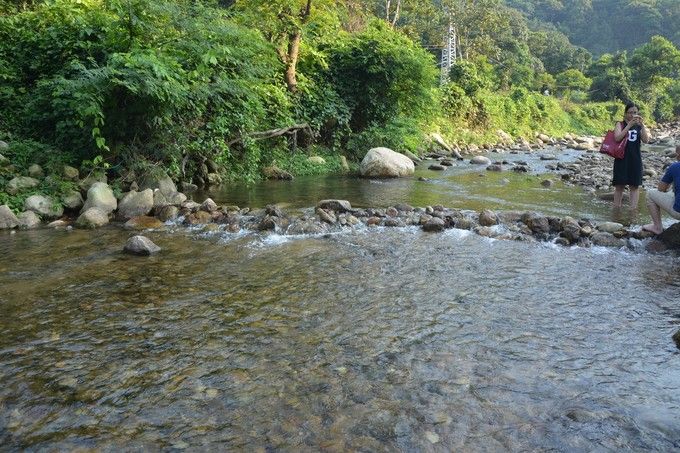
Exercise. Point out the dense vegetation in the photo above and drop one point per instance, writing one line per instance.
(606, 26)
(192, 88)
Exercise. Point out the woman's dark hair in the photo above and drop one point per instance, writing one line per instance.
(630, 105)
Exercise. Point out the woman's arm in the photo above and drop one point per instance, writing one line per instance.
(645, 136)
(621, 132)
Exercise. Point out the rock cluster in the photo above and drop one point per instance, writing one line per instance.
(336, 215)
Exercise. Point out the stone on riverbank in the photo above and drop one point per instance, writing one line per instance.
(43, 206)
(36, 171)
(385, 163)
(7, 218)
(100, 196)
(676, 338)
(28, 220)
(140, 246)
(135, 204)
(20, 183)
(93, 218)
(274, 172)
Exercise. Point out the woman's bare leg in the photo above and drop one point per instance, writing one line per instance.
(618, 195)
(634, 194)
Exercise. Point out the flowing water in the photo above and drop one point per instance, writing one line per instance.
(368, 340)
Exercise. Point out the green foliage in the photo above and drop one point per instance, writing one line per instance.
(381, 74)
(398, 134)
(572, 81)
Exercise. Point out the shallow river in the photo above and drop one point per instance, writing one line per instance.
(368, 340)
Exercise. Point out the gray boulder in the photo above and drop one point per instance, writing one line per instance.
(158, 181)
(4, 161)
(335, 205)
(21, 183)
(93, 218)
(609, 227)
(538, 224)
(604, 239)
(166, 213)
(71, 173)
(274, 172)
(434, 225)
(100, 196)
(488, 218)
(141, 246)
(135, 204)
(44, 206)
(480, 160)
(385, 163)
(90, 180)
(36, 171)
(7, 218)
(208, 205)
(28, 220)
(73, 201)
(316, 160)
(161, 199)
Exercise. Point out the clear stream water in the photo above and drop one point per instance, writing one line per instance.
(368, 340)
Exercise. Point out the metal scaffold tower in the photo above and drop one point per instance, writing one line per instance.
(448, 54)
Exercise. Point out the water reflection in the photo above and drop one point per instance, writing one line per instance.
(464, 186)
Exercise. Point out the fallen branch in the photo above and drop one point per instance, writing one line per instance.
(261, 135)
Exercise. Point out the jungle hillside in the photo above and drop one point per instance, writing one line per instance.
(227, 88)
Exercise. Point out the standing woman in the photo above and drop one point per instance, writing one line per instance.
(628, 171)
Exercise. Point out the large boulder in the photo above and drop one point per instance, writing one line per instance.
(36, 171)
(135, 204)
(73, 200)
(20, 183)
(91, 179)
(316, 160)
(93, 218)
(28, 220)
(335, 205)
(43, 206)
(158, 181)
(100, 196)
(7, 218)
(4, 161)
(274, 172)
(161, 199)
(71, 173)
(385, 163)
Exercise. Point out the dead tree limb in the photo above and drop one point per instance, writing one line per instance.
(261, 135)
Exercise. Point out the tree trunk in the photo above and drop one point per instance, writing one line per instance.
(294, 50)
(291, 60)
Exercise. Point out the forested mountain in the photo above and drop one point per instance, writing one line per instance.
(606, 26)
(195, 88)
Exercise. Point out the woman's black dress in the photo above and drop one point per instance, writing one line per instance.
(628, 171)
